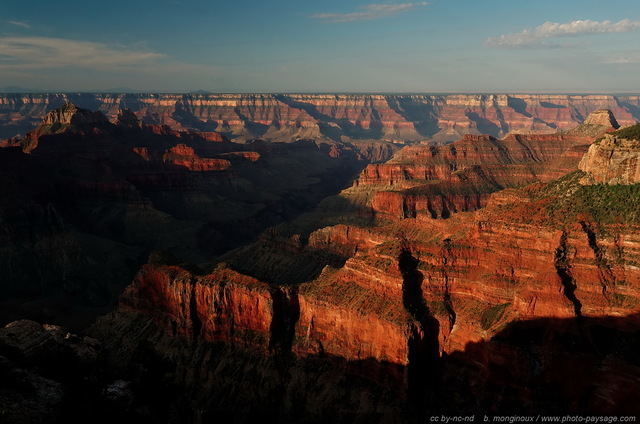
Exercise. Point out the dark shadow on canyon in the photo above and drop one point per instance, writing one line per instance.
(587, 365)
(545, 366)
(541, 366)
(422, 115)
(345, 125)
(423, 367)
(83, 211)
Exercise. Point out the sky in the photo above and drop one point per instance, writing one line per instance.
(331, 46)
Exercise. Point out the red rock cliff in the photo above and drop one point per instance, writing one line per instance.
(614, 159)
(287, 117)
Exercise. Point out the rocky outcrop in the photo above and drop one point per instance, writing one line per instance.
(596, 124)
(127, 119)
(282, 117)
(227, 306)
(221, 306)
(68, 119)
(70, 115)
(614, 159)
(438, 181)
(604, 118)
(185, 156)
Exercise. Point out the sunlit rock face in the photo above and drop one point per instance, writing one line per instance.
(614, 159)
(604, 117)
(282, 117)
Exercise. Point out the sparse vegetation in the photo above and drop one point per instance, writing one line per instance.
(630, 133)
(353, 297)
(437, 307)
(625, 301)
(600, 203)
(493, 315)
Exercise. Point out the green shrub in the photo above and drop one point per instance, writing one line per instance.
(629, 133)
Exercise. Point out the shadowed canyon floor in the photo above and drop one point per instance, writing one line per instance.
(488, 275)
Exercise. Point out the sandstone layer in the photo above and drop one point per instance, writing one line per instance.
(495, 308)
(285, 117)
(477, 277)
(614, 159)
(438, 181)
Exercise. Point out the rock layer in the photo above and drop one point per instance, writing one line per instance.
(614, 159)
(285, 117)
(438, 181)
(524, 301)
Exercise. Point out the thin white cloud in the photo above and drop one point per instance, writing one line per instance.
(536, 37)
(369, 12)
(623, 60)
(42, 52)
(20, 24)
(63, 64)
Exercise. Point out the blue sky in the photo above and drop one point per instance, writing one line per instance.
(436, 46)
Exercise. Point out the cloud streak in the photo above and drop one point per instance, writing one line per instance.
(537, 37)
(20, 24)
(624, 58)
(42, 52)
(369, 12)
(59, 62)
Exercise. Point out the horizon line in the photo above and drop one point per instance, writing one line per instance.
(439, 93)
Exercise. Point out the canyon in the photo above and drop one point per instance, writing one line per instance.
(85, 201)
(483, 309)
(337, 117)
(335, 278)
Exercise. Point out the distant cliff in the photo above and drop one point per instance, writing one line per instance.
(285, 117)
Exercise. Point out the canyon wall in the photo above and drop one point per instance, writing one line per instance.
(285, 117)
(496, 307)
(438, 181)
(483, 311)
(475, 277)
(614, 158)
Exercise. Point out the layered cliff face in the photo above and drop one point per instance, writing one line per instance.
(185, 156)
(480, 276)
(222, 306)
(281, 117)
(497, 310)
(614, 159)
(485, 311)
(438, 181)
